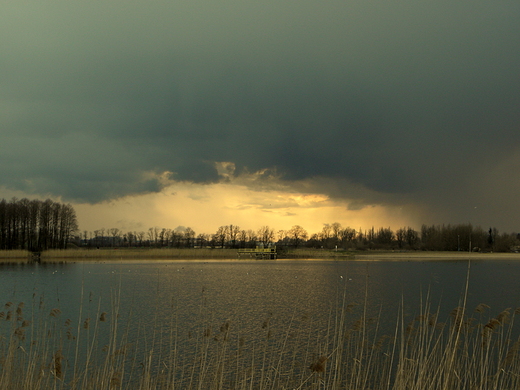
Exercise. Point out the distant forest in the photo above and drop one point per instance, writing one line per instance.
(460, 237)
(38, 225)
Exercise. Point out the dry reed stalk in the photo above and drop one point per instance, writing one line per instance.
(134, 254)
(481, 308)
(58, 369)
(19, 255)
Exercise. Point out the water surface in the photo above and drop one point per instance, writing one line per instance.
(195, 299)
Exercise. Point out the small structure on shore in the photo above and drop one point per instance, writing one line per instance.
(35, 256)
(259, 253)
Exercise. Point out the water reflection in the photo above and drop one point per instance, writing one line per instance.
(248, 291)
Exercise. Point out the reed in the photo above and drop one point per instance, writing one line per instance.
(310, 253)
(106, 349)
(176, 253)
(132, 254)
(15, 254)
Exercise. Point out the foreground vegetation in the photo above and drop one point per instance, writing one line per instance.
(465, 349)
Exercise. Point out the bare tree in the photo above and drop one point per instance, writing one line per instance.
(266, 235)
(202, 240)
(242, 238)
(233, 232)
(116, 235)
(140, 236)
(281, 235)
(189, 237)
(220, 236)
(36, 225)
(297, 235)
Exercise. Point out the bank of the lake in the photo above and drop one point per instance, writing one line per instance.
(439, 255)
(14, 255)
(218, 253)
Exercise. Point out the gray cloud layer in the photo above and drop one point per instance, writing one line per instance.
(412, 100)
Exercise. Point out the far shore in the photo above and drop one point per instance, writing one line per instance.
(437, 255)
(115, 254)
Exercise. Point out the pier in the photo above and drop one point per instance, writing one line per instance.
(258, 253)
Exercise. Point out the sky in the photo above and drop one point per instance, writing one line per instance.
(206, 113)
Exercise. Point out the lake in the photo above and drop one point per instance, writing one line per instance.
(160, 305)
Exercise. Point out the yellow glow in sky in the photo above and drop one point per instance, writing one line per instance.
(206, 207)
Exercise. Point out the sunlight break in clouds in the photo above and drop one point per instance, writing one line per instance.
(249, 201)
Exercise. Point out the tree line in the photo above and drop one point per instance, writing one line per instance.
(459, 237)
(39, 225)
(36, 225)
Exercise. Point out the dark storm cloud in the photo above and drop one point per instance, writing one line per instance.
(414, 100)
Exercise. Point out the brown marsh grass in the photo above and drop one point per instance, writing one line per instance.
(175, 253)
(9, 255)
(467, 348)
(145, 253)
(310, 253)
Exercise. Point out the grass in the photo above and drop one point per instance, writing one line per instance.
(309, 253)
(14, 255)
(145, 253)
(190, 253)
(463, 349)
(174, 253)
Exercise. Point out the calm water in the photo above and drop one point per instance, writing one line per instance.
(190, 297)
(249, 290)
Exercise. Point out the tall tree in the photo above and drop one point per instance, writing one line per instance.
(266, 235)
(297, 235)
(233, 232)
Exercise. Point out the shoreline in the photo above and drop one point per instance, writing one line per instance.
(170, 254)
(438, 255)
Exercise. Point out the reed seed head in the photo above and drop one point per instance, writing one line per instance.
(115, 381)
(503, 317)
(481, 308)
(224, 327)
(432, 320)
(358, 325)
(58, 357)
(20, 333)
(319, 364)
(511, 354)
